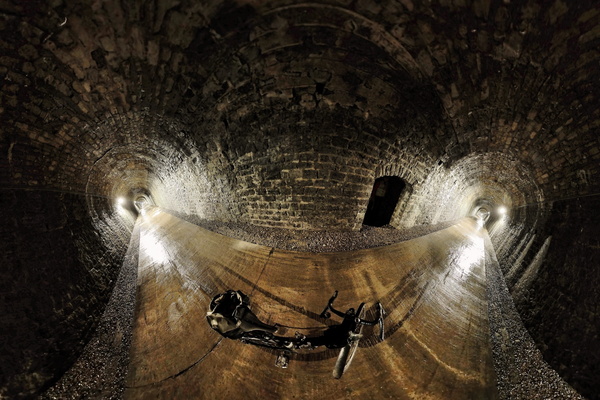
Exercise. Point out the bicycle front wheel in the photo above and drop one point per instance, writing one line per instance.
(347, 353)
(340, 363)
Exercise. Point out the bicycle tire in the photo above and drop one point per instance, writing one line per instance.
(263, 340)
(347, 352)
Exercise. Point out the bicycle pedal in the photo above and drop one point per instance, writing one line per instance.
(282, 361)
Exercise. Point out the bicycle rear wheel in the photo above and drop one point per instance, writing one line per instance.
(347, 352)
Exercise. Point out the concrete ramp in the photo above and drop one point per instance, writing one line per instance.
(433, 288)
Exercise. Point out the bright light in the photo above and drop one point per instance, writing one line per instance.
(502, 210)
(482, 215)
(151, 246)
(469, 256)
(139, 204)
(121, 201)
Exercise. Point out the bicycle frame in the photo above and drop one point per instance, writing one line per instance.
(344, 336)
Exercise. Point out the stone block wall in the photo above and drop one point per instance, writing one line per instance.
(453, 189)
(320, 178)
(56, 276)
(284, 114)
(560, 306)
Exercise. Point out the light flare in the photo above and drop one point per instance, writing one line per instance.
(153, 248)
(470, 255)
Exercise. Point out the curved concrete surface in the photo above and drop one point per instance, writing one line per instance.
(433, 289)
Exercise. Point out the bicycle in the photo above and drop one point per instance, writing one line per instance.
(354, 335)
(248, 329)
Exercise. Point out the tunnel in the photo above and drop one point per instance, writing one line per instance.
(156, 153)
(383, 200)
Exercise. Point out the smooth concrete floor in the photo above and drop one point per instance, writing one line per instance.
(437, 343)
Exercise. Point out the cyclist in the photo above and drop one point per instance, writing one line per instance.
(230, 315)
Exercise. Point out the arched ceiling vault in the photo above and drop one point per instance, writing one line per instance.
(442, 81)
(282, 114)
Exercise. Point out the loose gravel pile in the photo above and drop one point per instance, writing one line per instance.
(314, 241)
(101, 369)
(520, 368)
(522, 373)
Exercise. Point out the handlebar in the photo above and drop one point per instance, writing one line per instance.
(326, 313)
(380, 315)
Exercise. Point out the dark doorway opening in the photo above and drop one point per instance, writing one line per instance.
(383, 200)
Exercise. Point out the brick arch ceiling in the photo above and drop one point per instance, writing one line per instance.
(222, 109)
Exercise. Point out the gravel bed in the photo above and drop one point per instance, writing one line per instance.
(522, 373)
(314, 241)
(100, 371)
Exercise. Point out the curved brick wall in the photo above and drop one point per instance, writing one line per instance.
(283, 114)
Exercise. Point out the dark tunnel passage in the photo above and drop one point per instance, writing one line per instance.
(383, 200)
(268, 123)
